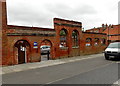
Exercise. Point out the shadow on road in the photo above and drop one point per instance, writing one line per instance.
(115, 59)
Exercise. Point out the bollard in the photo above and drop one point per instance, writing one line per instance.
(48, 55)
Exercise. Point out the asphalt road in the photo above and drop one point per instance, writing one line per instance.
(89, 71)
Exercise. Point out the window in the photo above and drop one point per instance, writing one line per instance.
(75, 42)
(63, 38)
(88, 41)
(103, 41)
(96, 41)
(96, 31)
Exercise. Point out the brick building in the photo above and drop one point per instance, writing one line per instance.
(112, 31)
(21, 44)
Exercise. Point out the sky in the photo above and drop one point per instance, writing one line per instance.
(40, 13)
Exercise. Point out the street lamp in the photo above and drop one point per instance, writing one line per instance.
(109, 27)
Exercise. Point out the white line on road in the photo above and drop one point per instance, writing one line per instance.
(78, 74)
(117, 82)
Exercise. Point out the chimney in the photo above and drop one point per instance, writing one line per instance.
(3, 13)
(3, 35)
(103, 25)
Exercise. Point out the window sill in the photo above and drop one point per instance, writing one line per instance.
(89, 46)
(64, 48)
(103, 44)
(75, 47)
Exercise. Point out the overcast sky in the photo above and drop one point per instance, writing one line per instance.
(40, 13)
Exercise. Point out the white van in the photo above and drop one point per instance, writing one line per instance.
(112, 51)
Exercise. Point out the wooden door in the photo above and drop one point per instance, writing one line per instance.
(21, 56)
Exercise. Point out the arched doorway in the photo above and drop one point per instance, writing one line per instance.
(46, 49)
(23, 48)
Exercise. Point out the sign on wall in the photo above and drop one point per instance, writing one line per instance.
(22, 48)
(35, 45)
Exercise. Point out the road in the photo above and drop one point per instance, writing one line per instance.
(89, 71)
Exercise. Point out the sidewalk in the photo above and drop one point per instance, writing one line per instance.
(27, 66)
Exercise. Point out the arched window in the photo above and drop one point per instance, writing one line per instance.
(46, 50)
(103, 41)
(96, 41)
(63, 38)
(75, 42)
(88, 42)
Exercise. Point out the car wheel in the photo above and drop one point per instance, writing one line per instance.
(106, 57)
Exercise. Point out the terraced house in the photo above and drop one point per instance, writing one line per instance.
(21, 44)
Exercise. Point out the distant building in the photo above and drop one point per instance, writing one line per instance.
(112, 31)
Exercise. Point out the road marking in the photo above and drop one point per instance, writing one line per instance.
(117, 82)
(78, 74)
(118, 62)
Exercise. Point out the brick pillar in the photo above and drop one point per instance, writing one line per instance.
(0, 33)
(3, 28)
(35, 54)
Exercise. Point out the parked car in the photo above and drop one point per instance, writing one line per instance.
(45, 49)
(112, 51)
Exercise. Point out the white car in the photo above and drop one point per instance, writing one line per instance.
(61, 46)
(113, 50)
(45, 49)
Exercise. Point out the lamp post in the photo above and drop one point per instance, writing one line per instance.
(109, 33)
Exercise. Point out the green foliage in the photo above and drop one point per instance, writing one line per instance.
(63, 33)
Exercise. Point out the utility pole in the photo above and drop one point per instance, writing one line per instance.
(109, 33)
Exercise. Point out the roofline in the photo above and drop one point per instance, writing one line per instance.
(67, 20)
(94, 33)
(28, 27)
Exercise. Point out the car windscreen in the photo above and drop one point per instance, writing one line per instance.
(114, 45)
(43, 47)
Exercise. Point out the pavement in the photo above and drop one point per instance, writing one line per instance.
(28, 66)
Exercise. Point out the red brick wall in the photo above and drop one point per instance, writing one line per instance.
(34, 54)
(4, 28)
(12, 34)
(113, 30)
(69, 26)
(56, 51)
(0, 33)
(93, 48)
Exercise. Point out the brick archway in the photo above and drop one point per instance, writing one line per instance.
(46, 50)
(21, 51)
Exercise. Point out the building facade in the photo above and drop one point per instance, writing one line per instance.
(21, 44)
(112, 31)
